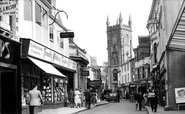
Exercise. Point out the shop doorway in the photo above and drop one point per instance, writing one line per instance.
(8, 91)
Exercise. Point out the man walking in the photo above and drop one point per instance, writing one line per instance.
(153, 100)
(71, 98)
(140, 100)
(87, 99)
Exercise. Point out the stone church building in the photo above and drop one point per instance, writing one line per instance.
(119, 42)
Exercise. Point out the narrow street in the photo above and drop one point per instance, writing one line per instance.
(124, 107)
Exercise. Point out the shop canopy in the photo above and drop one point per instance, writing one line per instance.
(177, 37)
(46, 67)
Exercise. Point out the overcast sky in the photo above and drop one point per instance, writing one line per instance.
(87, 18)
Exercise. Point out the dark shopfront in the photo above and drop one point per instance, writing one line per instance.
(38, 67)
(10, 92)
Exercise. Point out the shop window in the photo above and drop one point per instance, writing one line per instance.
(30, 76)
(53, 87)
(38, 13)
(28, 10)
(47, 89)
(59, 90)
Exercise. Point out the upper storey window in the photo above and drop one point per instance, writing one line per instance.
(51, 34)
(28, 10)
(38, 13)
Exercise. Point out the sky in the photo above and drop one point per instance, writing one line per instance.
(87, 19)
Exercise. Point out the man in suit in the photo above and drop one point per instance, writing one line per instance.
(87, 99)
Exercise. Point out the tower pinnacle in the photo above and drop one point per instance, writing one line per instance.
(108, 23)
(130, 22)
(120, 18)
(117, 22)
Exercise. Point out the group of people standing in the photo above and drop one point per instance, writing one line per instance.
(77, 98)
(148, 98)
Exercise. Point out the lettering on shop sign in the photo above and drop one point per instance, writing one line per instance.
(35, 50)
(5, 53)
(56, 57)
(7, 7)
(47, 54)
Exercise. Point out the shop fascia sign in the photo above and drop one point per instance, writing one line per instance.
(49, 55)
(142, 62)
(8, 7)
(81, 54)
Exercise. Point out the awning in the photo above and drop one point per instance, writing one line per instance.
(177, 37)
(46, 67)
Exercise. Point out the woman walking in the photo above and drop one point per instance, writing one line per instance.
(77, 98)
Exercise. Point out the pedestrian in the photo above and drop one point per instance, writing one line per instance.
(118, 95)
(35, 98)
(87, 95)
(77, 98)
(153, 100)
(140, 100)
(93, 98)
(145, 96)
(71, 98)
(81, 96)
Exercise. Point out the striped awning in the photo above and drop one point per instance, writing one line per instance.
(177, 37)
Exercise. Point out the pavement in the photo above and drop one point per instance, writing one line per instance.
(68, 110)
(160, 110)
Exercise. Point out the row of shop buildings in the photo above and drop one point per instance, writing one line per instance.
(35, 47)
(158, 59)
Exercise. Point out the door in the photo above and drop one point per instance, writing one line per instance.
(8, 91)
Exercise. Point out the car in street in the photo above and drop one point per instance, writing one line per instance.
(112, 97)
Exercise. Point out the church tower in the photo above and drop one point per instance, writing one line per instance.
(119, 47)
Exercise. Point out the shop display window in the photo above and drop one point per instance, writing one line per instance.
(29, 76)
(47, 89)
(58, 90)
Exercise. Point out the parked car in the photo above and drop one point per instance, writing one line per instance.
(112, 97)
(106, 94)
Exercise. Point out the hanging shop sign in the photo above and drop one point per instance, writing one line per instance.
(95, 83)
(8, 7)
(84, 72)
(44, 53)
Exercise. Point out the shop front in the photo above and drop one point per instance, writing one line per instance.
(42, 65)
(10, 92)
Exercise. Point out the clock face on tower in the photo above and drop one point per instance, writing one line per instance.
(114, 39)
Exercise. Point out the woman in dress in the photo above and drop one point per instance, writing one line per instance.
(77, 98)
